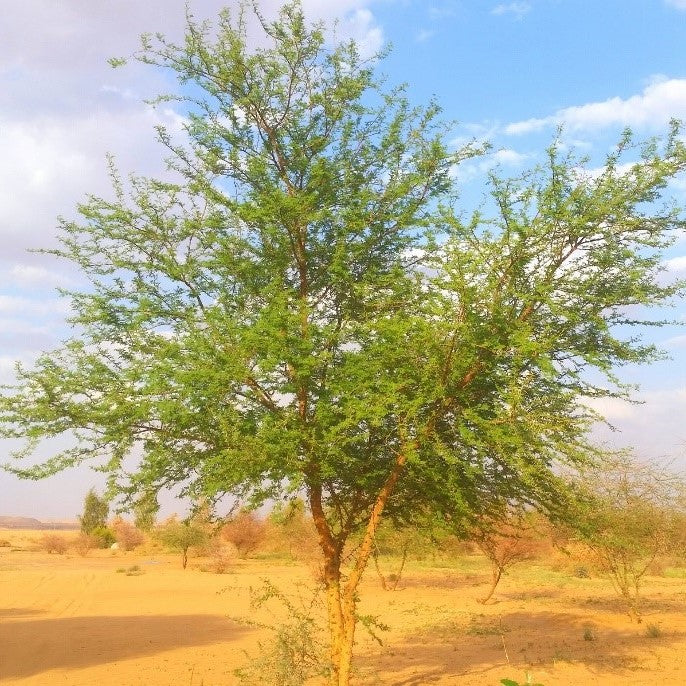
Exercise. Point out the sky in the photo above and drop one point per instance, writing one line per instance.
(506, 72)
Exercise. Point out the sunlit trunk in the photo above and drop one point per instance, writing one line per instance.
(496, 573)
(341, 594)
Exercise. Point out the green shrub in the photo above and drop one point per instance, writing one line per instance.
(103, 537)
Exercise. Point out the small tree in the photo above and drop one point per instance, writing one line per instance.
(626, 517)
(181, 536)
(145, 509)
(397, 540)
(245, 531)
(95, 512)
(504, 541)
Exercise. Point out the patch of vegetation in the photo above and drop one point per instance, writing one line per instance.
(590, 633)
(296, 651)
(653, 631)
(54, 543)
(485, 626)
(529, 681)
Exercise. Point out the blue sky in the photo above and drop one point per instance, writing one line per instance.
(509, 72)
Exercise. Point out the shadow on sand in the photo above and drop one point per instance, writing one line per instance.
(32, 646)
(515, 640)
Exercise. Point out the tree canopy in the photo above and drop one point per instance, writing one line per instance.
(305, 309)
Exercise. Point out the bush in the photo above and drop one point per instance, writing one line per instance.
(103, 537)
(245, 531)
(295, 652)
(220, 556)
(127, 535)
(54, 543)
(84, 544)
(626, 519)
(653, 631)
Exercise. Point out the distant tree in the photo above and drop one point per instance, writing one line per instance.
(626, 515)
(95, 513)
(145, 510)
(504, 541)
(245, 531)
(181, 536)
(292, 527)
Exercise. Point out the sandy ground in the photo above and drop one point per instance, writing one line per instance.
(84, 621)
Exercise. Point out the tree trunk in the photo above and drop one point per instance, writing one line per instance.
(496, 573)
(382, 578)
(341, 596)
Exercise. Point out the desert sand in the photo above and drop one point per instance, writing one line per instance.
(99, 621)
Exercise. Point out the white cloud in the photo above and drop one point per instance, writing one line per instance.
(48, 164)
(662, 100)
(505, 157)
(424, 35)
(675, 342)
(13, 304)
(518, 9)
(34, 276)
(442, 12)
(509, 157)
(676, 265)
(677, 4)
(654, 429)
(612, 409)
(360, 25)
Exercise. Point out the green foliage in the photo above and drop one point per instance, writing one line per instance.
(626, 515)
(305, 308)
(95, 512)
(103, 537)
(512, 682)
(145, 509)
(181, 536)
(296, 651)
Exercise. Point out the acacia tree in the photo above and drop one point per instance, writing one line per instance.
(303, 310)
(505, 542)
(626, 515)
(181, 536)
